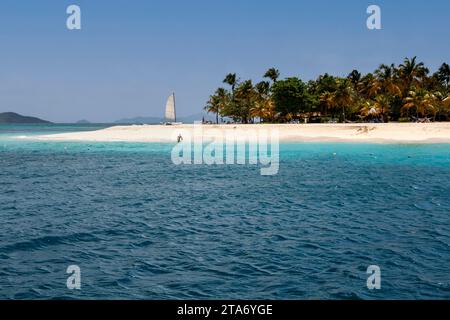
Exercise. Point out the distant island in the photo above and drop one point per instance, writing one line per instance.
(11, 117)
(83, 122)
(140, 120)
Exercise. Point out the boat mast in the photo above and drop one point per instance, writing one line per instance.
(174, 109)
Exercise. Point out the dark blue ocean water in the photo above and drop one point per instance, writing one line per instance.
(140, 227)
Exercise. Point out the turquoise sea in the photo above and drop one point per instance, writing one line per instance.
(140, 227)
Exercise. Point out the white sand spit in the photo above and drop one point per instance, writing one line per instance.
(379, 133)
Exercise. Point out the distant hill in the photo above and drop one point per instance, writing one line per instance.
(83, 122)
(157, 120)
(139, 120)
(197, 117)
(11, 117)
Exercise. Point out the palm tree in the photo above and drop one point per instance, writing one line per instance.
(328, 100)
(231, 79)
(382, 105)
(344, 96)
(443, 75)
(411, 73)
(213, 106)
(355, 78)
(272, 74)
(422, 101)
(442, 103)
(263, 87)
(217, 102)
(383, 88)
(375, 108)
(368, 86)
(385, 81)
(264, 107)
(244, 100)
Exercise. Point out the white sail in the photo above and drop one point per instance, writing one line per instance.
(170, 109)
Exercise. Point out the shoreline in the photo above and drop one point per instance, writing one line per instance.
(384, 133)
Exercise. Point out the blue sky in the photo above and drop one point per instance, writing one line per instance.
(130, 55)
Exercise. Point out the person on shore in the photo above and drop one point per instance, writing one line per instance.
(180, 138)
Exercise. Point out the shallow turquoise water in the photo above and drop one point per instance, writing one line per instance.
(140, 227)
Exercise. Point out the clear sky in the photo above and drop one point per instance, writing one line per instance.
(130, 54)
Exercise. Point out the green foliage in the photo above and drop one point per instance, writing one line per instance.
(291, 98)
(389, 93)
(272, 74)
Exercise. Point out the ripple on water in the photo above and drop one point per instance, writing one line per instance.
(142, 228)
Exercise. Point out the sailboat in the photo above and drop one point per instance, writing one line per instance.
(171, 115)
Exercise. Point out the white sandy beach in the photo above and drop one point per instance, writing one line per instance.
(379, 133)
